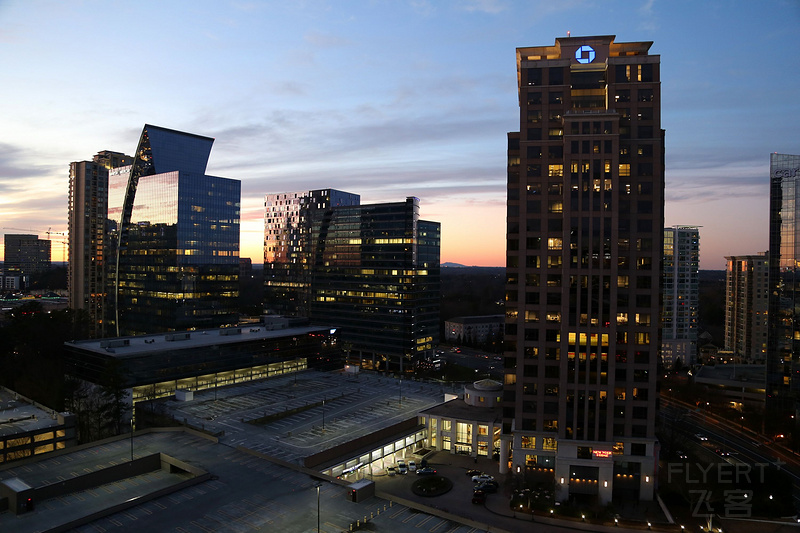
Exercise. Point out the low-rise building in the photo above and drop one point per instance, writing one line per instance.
(28, 428)
(469, 425)
(473, 329)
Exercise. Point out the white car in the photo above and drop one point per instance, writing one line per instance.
(412, 466)
(480, 478)
(401, 467)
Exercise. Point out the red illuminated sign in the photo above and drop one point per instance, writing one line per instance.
(601, 454)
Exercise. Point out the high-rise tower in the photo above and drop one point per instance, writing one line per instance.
(177, 255)
(783, 344)
(88, 213)
(370, 270)
(746, 305)
(584, 248)
(681, 295)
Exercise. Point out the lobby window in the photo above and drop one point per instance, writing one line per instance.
(528, 442)
(483, 429)
(549, 444)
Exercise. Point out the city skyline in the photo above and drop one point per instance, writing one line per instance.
(387, 99)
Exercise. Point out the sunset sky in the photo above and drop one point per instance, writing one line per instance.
(386, 99)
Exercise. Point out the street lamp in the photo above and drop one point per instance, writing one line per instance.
(401, 392)
(323, 414)
(131, 438)
(318, 485)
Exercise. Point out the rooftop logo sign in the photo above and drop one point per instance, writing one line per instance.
(585, 54)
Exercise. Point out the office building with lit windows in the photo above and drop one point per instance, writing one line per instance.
(88, 235)
(681, 295)
(371, 270)
(177, 246)
(746, 306)
(26, 254)
(783, 348)
(584, 248)
(287, 234)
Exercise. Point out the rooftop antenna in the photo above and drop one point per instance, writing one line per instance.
(568, 34)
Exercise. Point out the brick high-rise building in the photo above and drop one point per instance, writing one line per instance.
(584, 249)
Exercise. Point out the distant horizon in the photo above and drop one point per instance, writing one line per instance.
(445, 264)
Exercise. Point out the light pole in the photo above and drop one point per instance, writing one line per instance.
(401, 392)
(323, 419)
(318, 486)
(131, 438)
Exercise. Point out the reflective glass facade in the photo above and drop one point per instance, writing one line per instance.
(178, 249)
(783, 348)
(287, 240)
(370, 270)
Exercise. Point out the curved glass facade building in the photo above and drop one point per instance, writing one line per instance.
(177, 248)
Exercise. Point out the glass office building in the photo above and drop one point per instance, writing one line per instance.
(783, 340)
(177, 253)
(370, 270)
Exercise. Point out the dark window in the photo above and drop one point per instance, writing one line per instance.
(647, 72)
(638, 448)
(534, 76)
(534, 152)
(557, 97)
(556, 76)
(534, 98)
(534, 134)
(645, 95)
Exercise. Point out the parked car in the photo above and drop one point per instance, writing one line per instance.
(412, 466)
(486, 486)
(427, 471)
(478, 497)
(473, 472)
(482, 477)
(401, 467)
(391, 471)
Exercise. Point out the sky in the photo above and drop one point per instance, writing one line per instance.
(386, 99)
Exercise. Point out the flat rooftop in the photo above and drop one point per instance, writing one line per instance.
(142, 344)
(283, 416)
(19, 416)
